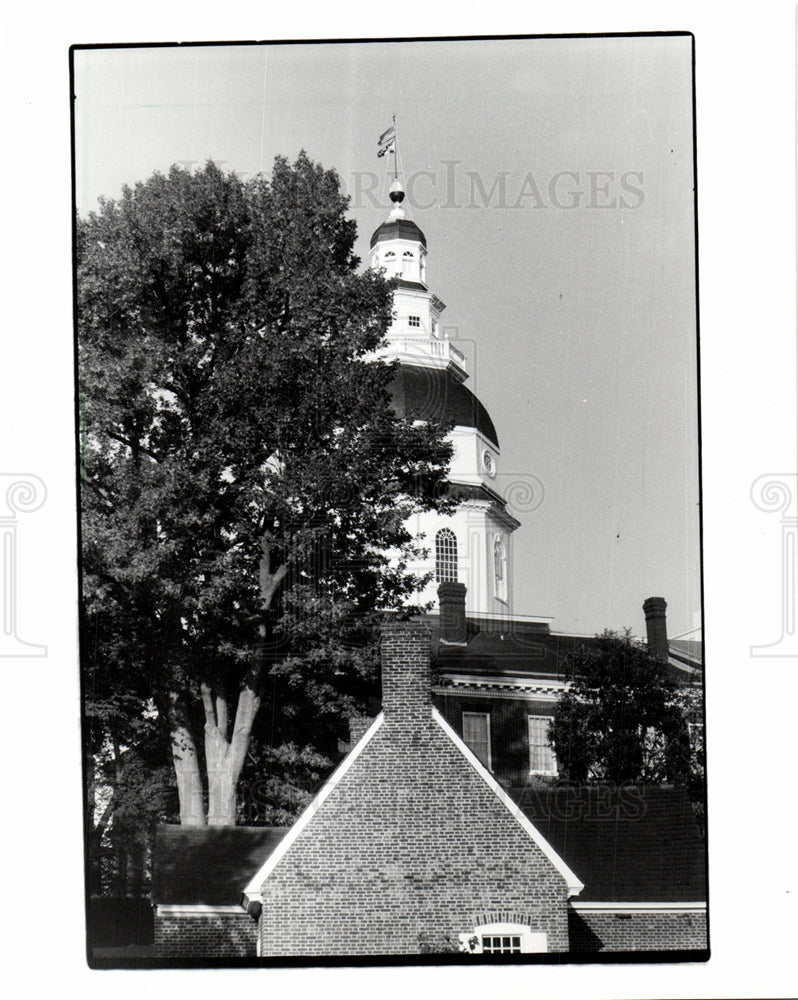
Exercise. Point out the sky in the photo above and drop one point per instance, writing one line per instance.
(553, 179)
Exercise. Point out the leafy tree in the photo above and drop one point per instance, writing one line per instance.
(622, 719)
(243, 472)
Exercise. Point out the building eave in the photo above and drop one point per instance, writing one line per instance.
(198, 909)
(587, 906)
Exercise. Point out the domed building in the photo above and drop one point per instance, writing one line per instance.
(472, 546)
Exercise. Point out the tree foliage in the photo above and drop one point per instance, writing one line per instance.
(623, 718)
(243, 475)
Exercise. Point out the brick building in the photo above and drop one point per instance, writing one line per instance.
(413, 846)
(497, 680)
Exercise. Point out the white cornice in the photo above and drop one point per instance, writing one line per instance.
(491, 691)
(197, 909)
(588, 907)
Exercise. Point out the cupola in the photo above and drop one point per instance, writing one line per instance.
(398, 245)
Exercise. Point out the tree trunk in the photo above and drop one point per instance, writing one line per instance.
(224, 759)
(184, 756)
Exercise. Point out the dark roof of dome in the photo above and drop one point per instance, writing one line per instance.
(398, 229)
(435, 394)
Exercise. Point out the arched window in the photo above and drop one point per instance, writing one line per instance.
(500, 568)
(445, 556)
(408, 254)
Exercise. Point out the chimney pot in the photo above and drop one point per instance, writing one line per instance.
(656, 627)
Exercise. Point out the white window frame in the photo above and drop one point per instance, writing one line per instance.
(530, 941)
(486, 717)
(535, 770)
(446, 556)
(417, 324)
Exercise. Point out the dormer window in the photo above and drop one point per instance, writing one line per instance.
(414, 320)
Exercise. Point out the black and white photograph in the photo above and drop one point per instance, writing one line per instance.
(398, 499)
(391, 635)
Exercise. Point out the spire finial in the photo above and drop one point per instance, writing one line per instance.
(387, 144)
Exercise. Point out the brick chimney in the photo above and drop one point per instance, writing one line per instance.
(656, 627)
(451, 600)
(406, 671)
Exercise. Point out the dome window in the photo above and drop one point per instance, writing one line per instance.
(408, 254)
(390, 255)
(445, 556)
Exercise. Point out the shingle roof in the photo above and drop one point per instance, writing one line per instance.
(412, 286)
(398, 229)
(630, 844)
(693, 649)
(435, 394)
(510, 647)
(209, 865)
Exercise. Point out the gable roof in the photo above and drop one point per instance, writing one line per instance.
(253, 888)
(633, 844)
(208, 865)
(254, 882)
(575, 885)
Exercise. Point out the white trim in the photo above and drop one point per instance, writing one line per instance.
(554, 770)
(252, 890)
(530, 941)
(196, 909)
(575, 886)
(508, 681)
(502, 616)
(584, 635)
(489, 692)
(588, 907)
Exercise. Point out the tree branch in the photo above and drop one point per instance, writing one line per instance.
(269, 581)
(138, 446)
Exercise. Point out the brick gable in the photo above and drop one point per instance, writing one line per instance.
(411, 844)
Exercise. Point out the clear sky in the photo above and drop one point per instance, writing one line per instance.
(553, 179)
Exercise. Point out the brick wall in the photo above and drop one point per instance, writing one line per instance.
(411, 845)
(207, 935)
(358, 724)
(636, 931)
